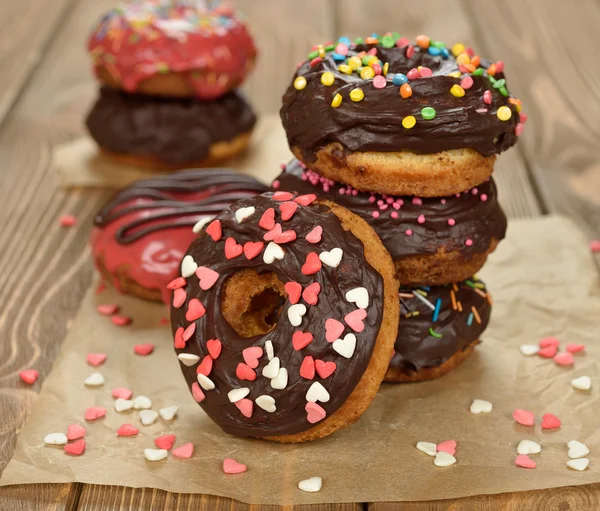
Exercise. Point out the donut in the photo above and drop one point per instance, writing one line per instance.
(439, 328)
(433, 241)
(170, 133)
(286, 319)
(141, 234)
(182, 50)
(384, 115)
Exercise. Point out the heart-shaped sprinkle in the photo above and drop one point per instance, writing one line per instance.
(176, 283)
(55, 439)
(199, 225)
(306, 200)
(165, 442)
(246, 406)
(148, 417)
(325, 369)
(121, 405)
(311, 485)
(127, 430)
(301, 339)
(205, 367)
(168, 413)
(273, 233)
(76, 448)
(281, 380)
(188, 359)
(96, 359)
(577, 449)
(75, 431)
(358, 296)
(317, 392)
(252, 355)
(333, 329)
(294, 291)
(179, 343)
(155, 454)
(214, 347)
(236, 395)
(243, 213)
(548, 351)
(550, 421)
(312, 264)
(271, 369)
(205, 382)
(122, 392)
(582, 383)
(285, 237)
(143, 349)
(94, 380)
(244, 372)
(315, 235)
(269, 349)
(287, 210)
(214, 230)
(295, 313)
(549, 341)
(195, 310)
(314, 412)
(252, 249)
(355, 319)
(232, 248)
(230, 466)
(524, 417)
(267, 220)
(108, 309)
(528, 447)
(444, 459)
(184, 451)
(428, 448)
(267, 403)
(448, 446)
(94, 412)
(529, 349)
(197, 393)
(579, 464)
(564, 359)
(120, 320)
(179, 296)
(142, 403)
(307, 368)
(273, 252)
(311, 293)
(332, 258)
(346, 346)
(282, 196)
(525, 461)
(480, 406)
(207, 277)
(575, 348)
(188, 266)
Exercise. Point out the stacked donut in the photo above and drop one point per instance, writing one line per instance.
(168, 73)
(405, 135)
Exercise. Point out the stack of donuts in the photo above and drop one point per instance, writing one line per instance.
(405, 134)
(168, 73)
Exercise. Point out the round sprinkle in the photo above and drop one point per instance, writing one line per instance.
(409, 232)
(399, 79)
(386, 68)
(337, 100)
(423, 41)
(354, 62)
(469, 242)
(387, 41)
(366, 73)
(455, 74)
(406, 91)
(425, 72)
(457, 49)
(428, 113)
(327, 78)
(451, 221)
(379, 82)
(457, 91)
(357, 95)
(504, 113)
(466, 82)
(409, 121)
(300, 83)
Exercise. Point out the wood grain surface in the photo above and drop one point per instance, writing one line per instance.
(550, 48)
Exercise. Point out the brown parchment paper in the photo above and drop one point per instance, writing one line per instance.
(544, 283)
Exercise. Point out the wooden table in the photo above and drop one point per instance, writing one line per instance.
(551, 52)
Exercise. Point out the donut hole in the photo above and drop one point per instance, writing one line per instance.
(252, 302)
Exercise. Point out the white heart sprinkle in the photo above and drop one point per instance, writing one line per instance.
(582, 383)
(281, 380)
(188, 266)
(243, 213)
(272, 252)
(444, 459)
(529, 349)
(311, 485)
(529, 447)
(123, 404)
(142, 403)
(267, 403)
(169, 412)
(295, 313)
(188, 359)
(359, 296)
(148, 417)
(317, 392)
(55, 439)
(332, 258)
(155, 454)
(271, 369)
(201, 223)
(428, 448)
(205, 382)
(236, 395)
(269, 349)
(346, 346)
(94, 380)
(481, 406)
(577, 449)
(578, 464)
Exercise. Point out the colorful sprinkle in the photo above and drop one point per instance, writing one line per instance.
(409, 122)
(327, 78)
(406, 91)
(433, 333)
(357, 95)
(457, 91)
(504, 113)
(379, 82)
(428, 113)
(337, 100)
(399, 79)
(300, 83)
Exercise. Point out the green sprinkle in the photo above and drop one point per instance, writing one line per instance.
(437, 44)
(503, 91)
(365, 60)
(396, 36)
(491, 79)
(428, 113)
(330, 47)
(478, 72)
(433, 333)
(470, 283)
(387, 41)
(313, 54)
(359, 40)
(499, 83)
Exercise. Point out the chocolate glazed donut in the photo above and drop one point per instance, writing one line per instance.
(292, 262)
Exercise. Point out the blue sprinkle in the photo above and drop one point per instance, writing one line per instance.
(374, 35)
(436, 312)
(345, 40)
(399, 79)
(338, 57)
(445, 53)
(425, 288)
(470, 319)
(432, 50)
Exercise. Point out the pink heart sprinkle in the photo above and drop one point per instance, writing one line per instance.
(76, 448)
(143, 349)
(448, 446)
(315, 412)
(287, 210)
(214, 230)
(524, 417)
(549, 341)
(306, 200)
(253, 249)
(207, 277)
(301, 339)
(251, 356)
(550, 421)
(96, 359)
(355, 319)
(281, 196)
(246, 406)
(315, 235)
(75, 431)
(29, 376)
(214, 348)
(195, 309)
(127, 430)
(232, 248)
(179, 296)
(311, 293)
(285, 237)
(197, 393)
(184, 451)
(307, 368)
(548, 352)
(594, 244)
(179, 343)
(68, 220)
(188, 332)
(121, 320)
(333, 329)
(165, 442)
(312, 264)
(564, 359)
(267, 220)
(294, 291)
(121, 392)
(273, 233)
(176, 283)
(94, 412)
(230, 466)
(525, 461)
(107, 309)
(325, 369)
(575, 348)
(244, 372)
(205, 367)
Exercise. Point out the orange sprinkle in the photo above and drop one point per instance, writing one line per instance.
(463, 59)
(406, 295)
(405, 91)
(480, 292)
(423, 41)
(471, 68)
(476, 314)
(371, 40)
(489, 299)
(459, 306)
(491, 70)
(476, 60)
(453, 298)
(455, 287)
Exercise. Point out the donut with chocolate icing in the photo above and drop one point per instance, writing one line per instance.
(439, 328)
(188, 48)
(141, 234)
(284, 317)
(432, 241)
(385, 115)
(170, 133)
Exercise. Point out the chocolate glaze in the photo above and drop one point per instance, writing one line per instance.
(353, 271)
(375, 123)
(475, 219)
(175, 131)
(415, 347)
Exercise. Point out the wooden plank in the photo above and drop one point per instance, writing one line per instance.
(46, 497)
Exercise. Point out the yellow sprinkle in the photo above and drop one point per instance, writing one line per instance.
(457, 49)
(386, 68)
(367, 73)
(455, 74)
(321, 51)
(504, 113)
(409, 121)
(357, 95)
(463, 59)
(300, 83)
(327, 78)
(457, 91)
(354, 62)
(344, 68)
(372, 60)
(337, 100)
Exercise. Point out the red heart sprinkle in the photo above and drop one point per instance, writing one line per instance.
(273, 233)
(564, 359)
(355, 319)
(107, 309)
(214, 230)
(176, 283)
(294, 291)
(549, 341)
(195, 310)
(205, 367)
(575, 348)
(101, 288)
(285, 237)
(214, 347)
(243, 372)
(96, 359)
(312, 264)
(325, 369)
(75, 431)
(315, 412)
(525, 461)
(333, 329)
(165, 442)
(76, 448)
(311, 293)
(188, 332)
(550, 421)
(315, 235)
(524, 417)
(67, 220)
(121, 392)
(207, 277)
(127, 430)
(252, 249)
(306, 200)
(94, 412)
(281, 196)
(179, 296)
(548, 352)
(267, 220)
(143, 349)
(197, 392)
(448, 446)
(184, 451)
(287, 210)
(121, 320)
(251, 356)
(301, 339)
(29, 376)
(307, 369)
(178, 337)
(231, 466)
(246, 406)
(232, 248)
